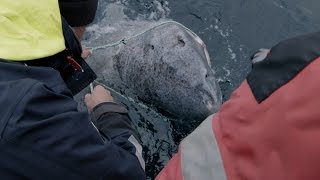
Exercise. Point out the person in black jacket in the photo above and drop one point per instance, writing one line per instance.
(42, 134)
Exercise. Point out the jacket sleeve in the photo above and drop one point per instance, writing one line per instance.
(282, 64)
(114, 124)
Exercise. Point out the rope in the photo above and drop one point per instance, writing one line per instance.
(140, 104)
(119, 94)
(125, 40)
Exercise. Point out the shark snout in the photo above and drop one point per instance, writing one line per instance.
(211, 96)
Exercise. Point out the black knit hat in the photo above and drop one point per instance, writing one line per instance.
(78, 12)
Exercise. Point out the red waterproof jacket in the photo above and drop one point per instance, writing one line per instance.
(269, 128)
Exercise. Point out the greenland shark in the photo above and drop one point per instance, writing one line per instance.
(159, 63)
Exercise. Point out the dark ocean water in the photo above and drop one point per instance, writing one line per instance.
(232, 30)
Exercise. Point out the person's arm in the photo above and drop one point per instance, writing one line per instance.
(113, 122)
(62, 142)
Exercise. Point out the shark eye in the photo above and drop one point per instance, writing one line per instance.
(181, 42)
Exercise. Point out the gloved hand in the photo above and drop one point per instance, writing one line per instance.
(260, 55)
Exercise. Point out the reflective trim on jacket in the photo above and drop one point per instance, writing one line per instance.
(198, 157)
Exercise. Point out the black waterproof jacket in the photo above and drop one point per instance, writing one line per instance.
(43, 136)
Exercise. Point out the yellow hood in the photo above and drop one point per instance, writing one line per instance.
(30, 29)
